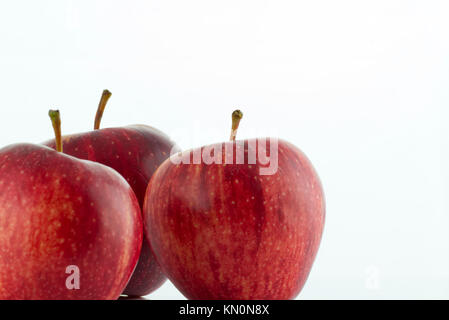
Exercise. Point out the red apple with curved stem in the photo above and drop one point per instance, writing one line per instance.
(231, 228)
(69, 228)
(135, 152)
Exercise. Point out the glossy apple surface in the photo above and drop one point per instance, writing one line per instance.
(135, 152)
(224, 231)
(57, 211)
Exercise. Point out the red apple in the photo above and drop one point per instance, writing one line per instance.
(69, 228)
(234, 229)
(135, 152)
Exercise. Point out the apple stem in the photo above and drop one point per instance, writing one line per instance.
(101, 106)
(56, 122)
(237, 115)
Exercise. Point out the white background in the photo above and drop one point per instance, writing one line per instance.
(362, 87)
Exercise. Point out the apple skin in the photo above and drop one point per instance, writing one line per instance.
(57, 211)
(226, 232)
(135, 152)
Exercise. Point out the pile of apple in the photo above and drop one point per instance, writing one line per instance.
(115, 211)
